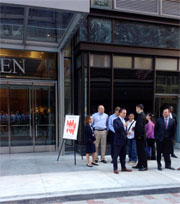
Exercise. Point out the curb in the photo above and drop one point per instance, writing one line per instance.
(80, 197)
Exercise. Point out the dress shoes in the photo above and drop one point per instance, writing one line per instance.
(126, 170)
(89, 165)
(143, 169)
(96, 161)
(135, 167)
(94, 164)
(169, 167)
(173, 155)
(116, 171)
(104, 161)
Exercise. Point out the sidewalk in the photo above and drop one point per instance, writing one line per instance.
(39, 175)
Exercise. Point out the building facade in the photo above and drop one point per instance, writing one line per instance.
(58, 60)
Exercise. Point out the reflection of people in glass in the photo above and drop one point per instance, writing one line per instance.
(3, 117)
(12, 117)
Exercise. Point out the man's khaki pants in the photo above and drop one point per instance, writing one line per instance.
(101, 137)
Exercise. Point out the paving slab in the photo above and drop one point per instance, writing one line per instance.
(39, 175)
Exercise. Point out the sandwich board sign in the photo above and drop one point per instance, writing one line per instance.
(71, 127)
(70, 132)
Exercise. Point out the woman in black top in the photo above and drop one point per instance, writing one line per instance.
(90, 141)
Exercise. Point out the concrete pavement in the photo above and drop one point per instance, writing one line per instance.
(39, 175)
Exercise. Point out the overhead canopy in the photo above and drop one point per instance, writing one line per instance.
(37, 28)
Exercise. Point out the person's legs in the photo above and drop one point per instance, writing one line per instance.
(134, 151)
(143, 154)
(115, 156)
(123, 156)
(112, 143)
(159, 151)
(97, 141)
(103, 144)
(87, 159)
(139, 164)
(166, 151)
(93, 157)
(153, 150)
(130, 149)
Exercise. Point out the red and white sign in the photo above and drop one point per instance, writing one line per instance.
(71, 127)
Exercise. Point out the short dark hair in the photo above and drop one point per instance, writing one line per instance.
(117, 108)
(130, 114)
(166, 108)
(141, 106)
(87, 119)
(121, 110)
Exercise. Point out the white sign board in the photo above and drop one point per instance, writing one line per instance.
(71, 127)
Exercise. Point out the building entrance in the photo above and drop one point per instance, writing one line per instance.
(27, 117)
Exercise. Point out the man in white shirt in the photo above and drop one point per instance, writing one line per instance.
(131, 139)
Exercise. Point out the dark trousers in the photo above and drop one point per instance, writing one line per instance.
(164, 148)
(151, 144)
(172, 148)
(119, 150)
(142, 159)
(111, 135)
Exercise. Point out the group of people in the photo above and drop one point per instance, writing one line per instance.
(140, 136)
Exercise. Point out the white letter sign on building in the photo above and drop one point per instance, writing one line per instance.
(71, 127)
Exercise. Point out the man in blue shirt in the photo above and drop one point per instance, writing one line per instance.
(111, 129)
(100, 121)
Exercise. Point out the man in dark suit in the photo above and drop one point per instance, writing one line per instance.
(164, 133)
(173, 116)
(140, 136)
(120, 141)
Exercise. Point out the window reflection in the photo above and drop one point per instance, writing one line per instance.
(167, 82)
(100, 89)
(132, 87)
(28, 64)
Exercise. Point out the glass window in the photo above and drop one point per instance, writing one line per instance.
(167, 82)
(142, 63)
(122, 62)
(27, 64)
(146, 34)
(132, 87)
(100, 30)
(166, 64)
(67, 85)
(67, 50)
(100, 60)
(3, 116)
(47, 25)
(11, 22)
(100, 89)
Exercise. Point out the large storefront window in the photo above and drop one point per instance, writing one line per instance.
(27, 64)
(132, 87)
(27, 101)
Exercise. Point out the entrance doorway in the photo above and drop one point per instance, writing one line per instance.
(27, 118)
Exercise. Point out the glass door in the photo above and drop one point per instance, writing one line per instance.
(44, 116)
(4, 134)
(27, 118)
(20, 116)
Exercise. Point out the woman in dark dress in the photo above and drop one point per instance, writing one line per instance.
(90, 141)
